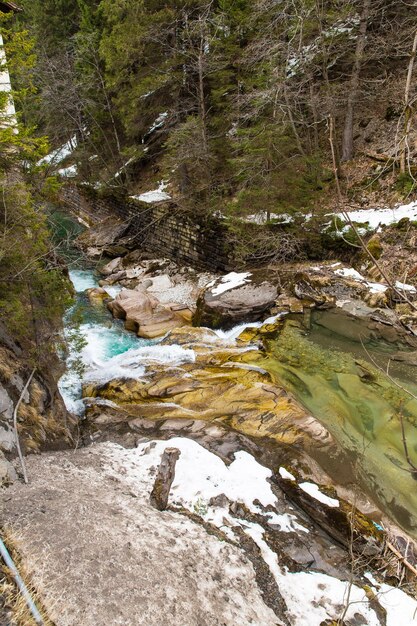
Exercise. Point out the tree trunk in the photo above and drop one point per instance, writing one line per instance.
(201, 99)
(347, 144)
(407, 107)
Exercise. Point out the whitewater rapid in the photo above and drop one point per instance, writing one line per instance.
(99, 348)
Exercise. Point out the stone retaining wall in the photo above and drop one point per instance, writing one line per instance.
(160, 228)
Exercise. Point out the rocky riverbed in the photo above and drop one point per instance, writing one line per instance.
(266, 383)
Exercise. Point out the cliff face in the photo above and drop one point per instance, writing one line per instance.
(43, 421)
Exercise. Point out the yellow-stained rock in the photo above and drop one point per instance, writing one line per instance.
(97, 296)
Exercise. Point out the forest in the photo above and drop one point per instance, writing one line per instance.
(233, 101)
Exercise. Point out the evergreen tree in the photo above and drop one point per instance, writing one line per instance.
(33, 289)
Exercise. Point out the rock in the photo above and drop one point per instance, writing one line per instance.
(7, 471)
(160, 283)
(292, 305)
(113, 278)
(357, 321)
(234, 298)
(190, 335)
(43, 419)
(221, 501)
(97, 295)
(101, 237)
(132, 304)
(7, 438)
(405, 357)
(221, 386)
(6, 404)
(143, 313)
(111, 267)
(159, 323)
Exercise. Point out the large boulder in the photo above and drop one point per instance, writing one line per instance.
(112, 266)
(234, 298)
(102, 237)
(144, 314)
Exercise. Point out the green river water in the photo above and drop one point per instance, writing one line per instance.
(335, 379)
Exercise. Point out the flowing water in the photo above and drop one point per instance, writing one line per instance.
(99, 347)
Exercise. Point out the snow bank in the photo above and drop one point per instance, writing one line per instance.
(383, 217)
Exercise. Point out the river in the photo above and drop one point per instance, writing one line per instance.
(327, 374)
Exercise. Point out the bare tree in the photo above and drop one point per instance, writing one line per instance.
(347, 144)
(408, 107)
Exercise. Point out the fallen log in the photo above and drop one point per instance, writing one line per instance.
(164, 479)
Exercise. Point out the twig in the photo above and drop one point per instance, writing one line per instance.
(402, 558)
(19, 450)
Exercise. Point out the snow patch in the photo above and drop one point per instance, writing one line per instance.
(349, 272)
(285, 474)
(200, 474)
(383, 217)
(157, 195)
(405, 287)
(314, 491)
(262, 218)
(160, 121)
(68, 172)
(231, 281)
(287, 523)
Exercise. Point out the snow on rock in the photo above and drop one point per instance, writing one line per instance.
(315, 492)
(157, 195)
(376, 287)
(349, 272)
(405, 287)
(230, 281)
(287, 523)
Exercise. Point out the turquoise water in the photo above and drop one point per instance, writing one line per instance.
(93, 339)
